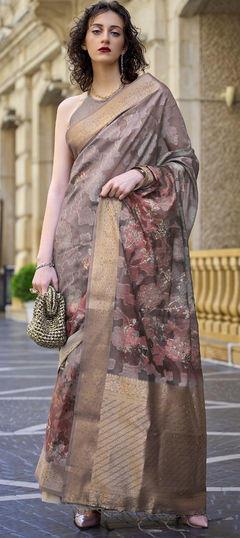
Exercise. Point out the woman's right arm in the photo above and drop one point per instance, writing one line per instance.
(62, 163)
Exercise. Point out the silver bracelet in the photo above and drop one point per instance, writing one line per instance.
(51, 264)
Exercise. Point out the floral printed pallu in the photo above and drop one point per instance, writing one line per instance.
(126, 427)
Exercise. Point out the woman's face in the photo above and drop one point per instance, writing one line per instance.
(104, 39)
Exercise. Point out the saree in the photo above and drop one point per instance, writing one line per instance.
(126, 427)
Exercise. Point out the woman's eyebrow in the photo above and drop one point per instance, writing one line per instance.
(112, 26)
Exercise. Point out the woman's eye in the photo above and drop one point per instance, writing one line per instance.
(98, 31)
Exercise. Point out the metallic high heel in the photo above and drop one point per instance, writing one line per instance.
(185, 521)
(87, 519)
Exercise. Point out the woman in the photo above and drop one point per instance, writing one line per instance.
(126, 427)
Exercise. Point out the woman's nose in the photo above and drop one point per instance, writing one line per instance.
(105, 38)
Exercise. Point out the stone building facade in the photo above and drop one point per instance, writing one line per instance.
(194, 47)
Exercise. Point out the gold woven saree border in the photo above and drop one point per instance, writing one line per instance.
(82, 132)
(95, 355)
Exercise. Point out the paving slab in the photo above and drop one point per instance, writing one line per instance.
(27, 378)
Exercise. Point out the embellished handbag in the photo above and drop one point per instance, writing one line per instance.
(47, 327)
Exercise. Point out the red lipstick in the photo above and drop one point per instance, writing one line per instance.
(104, 49)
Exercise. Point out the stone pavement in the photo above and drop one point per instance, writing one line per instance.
(27, 374)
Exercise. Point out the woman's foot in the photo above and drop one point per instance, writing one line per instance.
(195, 521)
(87, 519)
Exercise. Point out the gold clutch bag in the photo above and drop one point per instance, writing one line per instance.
(47, 327)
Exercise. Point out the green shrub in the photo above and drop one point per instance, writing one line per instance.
(21, 282)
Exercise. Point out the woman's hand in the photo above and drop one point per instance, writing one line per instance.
(43, 277)
(120, 186)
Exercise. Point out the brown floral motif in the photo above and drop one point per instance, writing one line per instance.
(75, 316)
(152, 317)
(61, 410)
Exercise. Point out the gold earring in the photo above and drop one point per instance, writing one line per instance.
(122, 74)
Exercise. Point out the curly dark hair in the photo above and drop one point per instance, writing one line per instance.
(79, 60)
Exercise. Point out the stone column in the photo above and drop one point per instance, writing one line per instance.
(189, 98)
(150, 16)
(23, 174)
(7, 186)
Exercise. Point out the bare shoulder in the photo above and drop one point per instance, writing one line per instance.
(68, 105)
